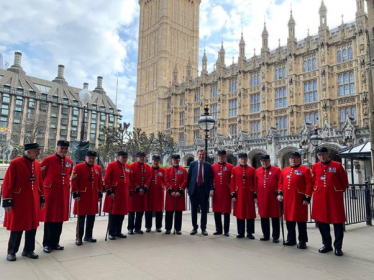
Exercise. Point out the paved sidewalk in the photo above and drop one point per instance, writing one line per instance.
(159, 256)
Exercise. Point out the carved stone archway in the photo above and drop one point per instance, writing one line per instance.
(187, 159)
(254, 157)
(283, 156)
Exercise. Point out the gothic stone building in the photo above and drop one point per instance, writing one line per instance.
(266, 104)
(43, 111)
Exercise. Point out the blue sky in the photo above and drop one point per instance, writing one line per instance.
(100, 38)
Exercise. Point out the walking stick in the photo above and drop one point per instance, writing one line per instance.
(175, 211)
(78, 238)
(110, 213)
(280, 205)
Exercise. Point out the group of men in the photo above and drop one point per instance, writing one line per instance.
(34, 192)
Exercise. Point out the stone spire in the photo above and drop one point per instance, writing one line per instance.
(265, 37)
(204, 69)
(291, 28)
(323, 16)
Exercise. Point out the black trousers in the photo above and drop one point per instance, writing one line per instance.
(115, 224)
(135, 220)
(291, 228)
(90, 221)
(218, 221)
(52, 233)
(148, 219)
(199, 198)
(169, 220)
(265, 226)
(15, 241)
(324, 229)
(241, 226)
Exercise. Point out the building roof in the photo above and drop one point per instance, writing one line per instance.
(18, 81)
(361, 151)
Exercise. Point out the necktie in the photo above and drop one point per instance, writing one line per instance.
(200, 177)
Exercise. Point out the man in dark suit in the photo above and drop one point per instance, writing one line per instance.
(199, 187)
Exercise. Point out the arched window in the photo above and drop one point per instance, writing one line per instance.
(345, 55)
(351, 77)
(304, 66)
(354, 112)
(314, 63)
(339, 56)
(309, 65)
(276, 74)
(342, 119)
(350, 53)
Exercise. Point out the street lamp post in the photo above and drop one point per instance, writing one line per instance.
(84, 96)
(206, 123)
(315, 140)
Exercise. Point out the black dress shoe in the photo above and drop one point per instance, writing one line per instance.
(240, 236)
(148, 230)
(301, 245)
(325, 250)
(338, 252)
(131, 231)
(178, 232)
(250, 236)
(193, 232)
(90, 239)
(112, 237)
(78, 242)
(217, 233)
(47, 249)
(275, 240)
(264, 238)
(58, 247)
(204, 232)
(158, 230)
(227, 234)
(30, 255)
(121, 235)
(139, 231)
(11, 257)
(167, 232)
(289, 243)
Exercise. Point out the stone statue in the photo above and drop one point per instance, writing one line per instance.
(7, 151)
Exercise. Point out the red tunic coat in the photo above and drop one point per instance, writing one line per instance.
(295, 183)
(328, 202)
(266, 182)
(140, 176)
(243, 184)
(117, 179)
(156, 190)
(175, 179)
(88, 189)
(22, 194)
(56, 173)
(221, 183)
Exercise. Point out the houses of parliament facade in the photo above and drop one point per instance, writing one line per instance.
(265, 104)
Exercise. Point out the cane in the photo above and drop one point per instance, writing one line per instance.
(78, 239)
(175, 211)
(110, 213)
(280, 206)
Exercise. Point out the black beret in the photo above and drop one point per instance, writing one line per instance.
(264, 157)
(140, 154)
(122, 153)
(321, 151)
(91, 154)
(31, 146)
(175, 157)
(243, 155)
(221, 153)
(295, 154)
(63, 143)
(156, 157)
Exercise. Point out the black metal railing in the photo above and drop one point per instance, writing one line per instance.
(358, 202)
